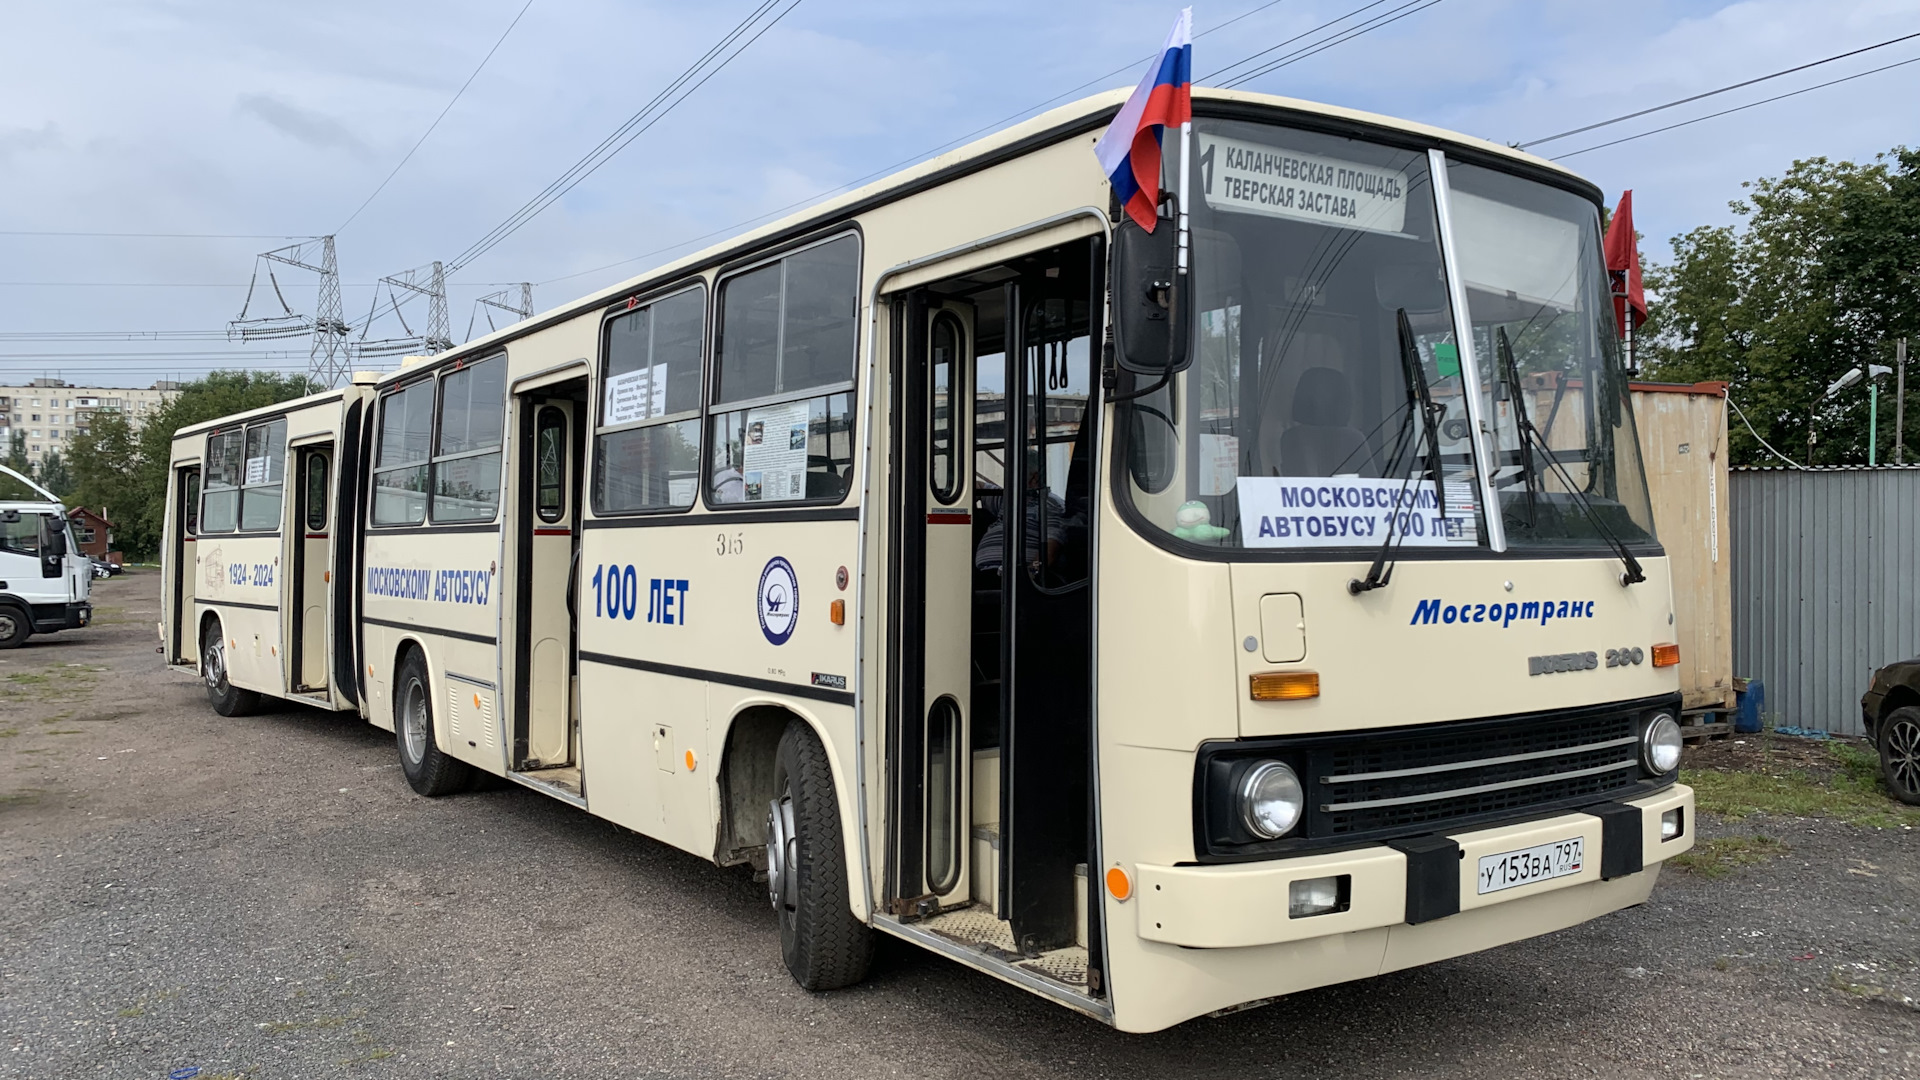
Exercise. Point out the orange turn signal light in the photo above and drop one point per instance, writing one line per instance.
(1119, 884)
(1285, 685)
(837, 611)
(1666, 655)
(690, 761)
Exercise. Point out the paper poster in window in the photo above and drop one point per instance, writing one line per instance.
(256, 470)
(637, 395)
(775, 451)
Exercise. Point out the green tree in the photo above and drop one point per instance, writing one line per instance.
(104, 463)
(54, 475)
(17, 461)
(1782, 304)
(126, 471)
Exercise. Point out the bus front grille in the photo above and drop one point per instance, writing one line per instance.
(1388, 783)
(1391, 783)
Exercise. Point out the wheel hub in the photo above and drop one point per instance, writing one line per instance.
(782, 852)
(215, 666)
(7, 626)
(413, 715)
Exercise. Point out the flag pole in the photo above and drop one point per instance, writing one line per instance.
(1186, 140)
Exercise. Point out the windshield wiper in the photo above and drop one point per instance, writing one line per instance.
(1419, 403)
(1510, 373)
(1633, 573)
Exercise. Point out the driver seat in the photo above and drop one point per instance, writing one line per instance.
(1322, 440)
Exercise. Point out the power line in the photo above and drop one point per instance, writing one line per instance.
(1387, 18)
(1739, 108)
(1215, 74)
(904, 162)
(1721, 90)
(630, 130)
(155, 235)
(437, 119)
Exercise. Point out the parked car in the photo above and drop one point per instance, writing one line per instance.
(101, 569)
(1891, 711)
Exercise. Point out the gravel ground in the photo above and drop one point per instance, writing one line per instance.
(264, 897)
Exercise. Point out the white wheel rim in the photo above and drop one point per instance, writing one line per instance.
(413, 721)
(7, 626)
(215, 666)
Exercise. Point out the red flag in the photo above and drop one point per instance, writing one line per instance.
(1623, 264)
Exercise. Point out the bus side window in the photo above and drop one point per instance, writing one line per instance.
(266, 468)
(466, 463)
(400, 461)
(220, 493)
(646, 454)
(784, 352)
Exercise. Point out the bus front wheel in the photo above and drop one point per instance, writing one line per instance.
(226, 698)
(429, 772)
(824, 946)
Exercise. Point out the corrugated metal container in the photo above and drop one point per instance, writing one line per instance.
(1826, 585)
(1683, 440)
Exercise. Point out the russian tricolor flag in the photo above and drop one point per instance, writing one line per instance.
(1129, 152)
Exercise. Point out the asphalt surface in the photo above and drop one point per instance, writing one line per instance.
(265, 897)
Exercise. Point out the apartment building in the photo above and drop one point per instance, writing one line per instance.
(51, 413)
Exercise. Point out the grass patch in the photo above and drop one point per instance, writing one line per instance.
(1720, 856)
(1733, 794)
(1850, 790)
(26, 678)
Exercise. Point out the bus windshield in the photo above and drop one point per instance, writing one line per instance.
(1327, 402)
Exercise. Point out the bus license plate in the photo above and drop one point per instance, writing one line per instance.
(1528, 865)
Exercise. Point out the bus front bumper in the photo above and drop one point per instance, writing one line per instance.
(1223, 907)
(1221, 937)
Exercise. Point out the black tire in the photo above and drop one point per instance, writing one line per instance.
(825, 947)
(429, 772)
(1899, 740)
(226, 698)
(15, 627)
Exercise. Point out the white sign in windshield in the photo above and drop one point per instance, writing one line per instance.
(1247, 178)
(1352, 511)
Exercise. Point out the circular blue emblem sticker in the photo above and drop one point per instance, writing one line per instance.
(779, 600)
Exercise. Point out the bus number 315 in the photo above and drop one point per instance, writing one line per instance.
(616, 595)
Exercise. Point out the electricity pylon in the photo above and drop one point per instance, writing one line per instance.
(521, 310)
(326, 359)
(429, 281)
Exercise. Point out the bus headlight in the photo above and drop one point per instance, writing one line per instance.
(1660, 744)
(1271, 800)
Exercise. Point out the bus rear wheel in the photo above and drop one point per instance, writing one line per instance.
(226, 698)
(824, 946)
(429, 772)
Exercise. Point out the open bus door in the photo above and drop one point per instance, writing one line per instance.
(993, 606)
(183, 633)
(545, 741)
(312, 547)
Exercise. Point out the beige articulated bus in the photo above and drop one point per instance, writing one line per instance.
(1160, 644)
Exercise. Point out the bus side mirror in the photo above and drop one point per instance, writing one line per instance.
(1151, 321)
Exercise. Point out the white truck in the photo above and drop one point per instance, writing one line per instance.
(44, 579)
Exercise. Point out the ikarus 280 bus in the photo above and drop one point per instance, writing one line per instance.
(886, 550)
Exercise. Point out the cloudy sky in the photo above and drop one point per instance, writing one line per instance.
(243, 122)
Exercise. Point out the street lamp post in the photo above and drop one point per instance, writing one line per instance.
(1872, 374)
